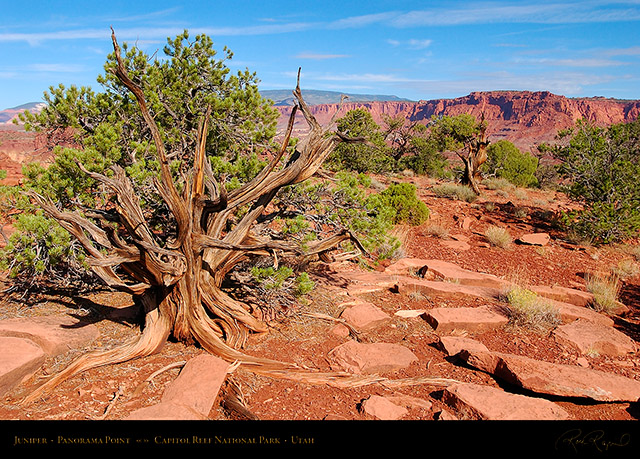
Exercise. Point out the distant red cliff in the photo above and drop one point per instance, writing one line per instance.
(522, 117)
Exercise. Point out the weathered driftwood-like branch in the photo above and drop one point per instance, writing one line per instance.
(179, 284)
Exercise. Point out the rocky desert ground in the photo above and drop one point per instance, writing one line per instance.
(430, 328)
(427, 336)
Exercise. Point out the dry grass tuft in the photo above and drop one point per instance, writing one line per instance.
(498, 236)
(528, 310)
(605, 289)
(437, 230)
(626, 269)
(455, 191)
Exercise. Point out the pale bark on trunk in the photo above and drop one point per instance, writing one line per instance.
(179, 284)
(476, 157)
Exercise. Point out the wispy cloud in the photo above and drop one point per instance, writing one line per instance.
(364, 20)
(560, 12)
(56, 68)
(319, 56)
(571, 62)
(150, 33)
(412, 43)
(566, 12)
(632, 51)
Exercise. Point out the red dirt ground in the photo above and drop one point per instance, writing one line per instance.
(308, 341)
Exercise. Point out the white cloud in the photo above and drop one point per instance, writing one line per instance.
(361, 21)
(412, 43)
(150, 33)
(319, 56)
(56, 68)
(571, 62)
(561, 12)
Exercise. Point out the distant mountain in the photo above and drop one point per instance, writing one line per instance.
(522, 117)
(7, 115)
(282, 97)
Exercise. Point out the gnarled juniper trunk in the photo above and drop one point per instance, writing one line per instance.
(476, 157)
(179, 281)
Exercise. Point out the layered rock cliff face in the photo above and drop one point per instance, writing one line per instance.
(524, 118)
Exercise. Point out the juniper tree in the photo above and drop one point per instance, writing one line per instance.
(601, 167)
(465, 136)
(138, 192)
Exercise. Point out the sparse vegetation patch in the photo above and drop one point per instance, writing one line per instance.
(528, 310)
(605, 289)
(455, 191)
(498, 237)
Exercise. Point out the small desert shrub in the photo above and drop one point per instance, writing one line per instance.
(303, 284)
(521, 212)
(528, 310)
(437, 230)
(282, 279)
(625, 268)
(402, 198)
(498, 237)
(605, 290)
(498, 183)
(454, 191)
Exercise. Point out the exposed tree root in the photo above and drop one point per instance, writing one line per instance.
(179, 280)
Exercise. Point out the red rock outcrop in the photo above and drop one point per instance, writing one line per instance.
(522, 117)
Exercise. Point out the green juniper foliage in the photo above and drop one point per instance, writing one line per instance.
(350, 202)
(102, 129)
(506, 161)
(360, 157)
(602, 166)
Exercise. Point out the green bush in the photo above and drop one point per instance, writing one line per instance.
(372, 156)
(425, 156)
(281, 279)
(402, 198)
(41, 247)
(455, 191)
(602, 166)
(351, 201)
(506, 161)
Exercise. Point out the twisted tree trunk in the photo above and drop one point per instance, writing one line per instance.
(179, 282)
(476, 157)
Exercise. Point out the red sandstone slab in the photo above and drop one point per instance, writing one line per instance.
(556, 379)
(364, 315)
(474, 401)
(198, 384)
(55, 334)
(591, 337)
(445, 289)
(370, 358)
(165, 411)
(445, 320)
(19, 359)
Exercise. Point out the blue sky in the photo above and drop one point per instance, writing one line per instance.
(412, 49)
